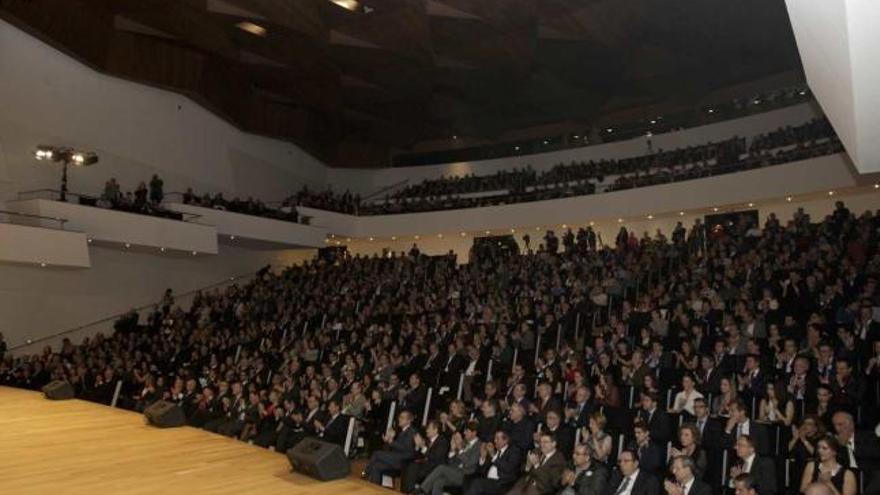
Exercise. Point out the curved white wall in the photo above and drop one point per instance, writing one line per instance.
(49, 98)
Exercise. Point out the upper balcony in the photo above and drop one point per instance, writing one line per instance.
(171, 233)
(53, 244)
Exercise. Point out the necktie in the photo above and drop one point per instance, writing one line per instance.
(622, 487)
(738, 431)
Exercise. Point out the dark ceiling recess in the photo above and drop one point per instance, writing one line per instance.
(353, 81)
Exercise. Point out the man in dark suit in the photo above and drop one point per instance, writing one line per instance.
(709, 378)
(686, 483)
(658, 421)
(432, 450)
(739, 424)
(761, 469)
(543, 470)
(630, 480)
(652, 457)
(587, 477)
(519, 427)
(499, 467)
(335, 429)
(463, 463)
(577, 414)
(710, 430)
(859, 449)
(400, 449)
(752, 380)
(413, 398)
(562, 433)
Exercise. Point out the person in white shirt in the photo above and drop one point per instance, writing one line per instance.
(684, 400)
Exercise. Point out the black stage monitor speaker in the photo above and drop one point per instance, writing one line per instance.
(58, 390)
(165, 414)
(319, 459)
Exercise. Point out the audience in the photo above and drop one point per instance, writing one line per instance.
(542, 367)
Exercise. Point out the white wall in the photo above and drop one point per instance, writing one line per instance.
(35, 301)
(121, 228)
(48, 98)
(369, 181)
(247, 227)
(35, 245)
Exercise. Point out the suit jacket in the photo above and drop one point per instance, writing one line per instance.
(404, 443)
(336, 429)
(763, 471)
(646, 484)
(652, 458)
(594, 484)
(436, 454)
(520, 433)
(548, 476)
(468, 460)
(710, 435)
(759, 435)
(867, 451)
(660, 425)
(565, 437)
(699, 488)
(507, 465)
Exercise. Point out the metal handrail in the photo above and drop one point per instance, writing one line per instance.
(384, 189)
(61, 221)
(138, 309)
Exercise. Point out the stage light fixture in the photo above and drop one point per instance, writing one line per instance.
(65, 156)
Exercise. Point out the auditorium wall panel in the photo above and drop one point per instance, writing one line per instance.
(49, 98)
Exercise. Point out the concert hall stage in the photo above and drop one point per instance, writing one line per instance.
(78, 447)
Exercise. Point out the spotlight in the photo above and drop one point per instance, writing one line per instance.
(195, 253)
(715, 208)
(650, 217)
(127, 245)
(162, 249)
(65, 156)
(788, 198)
(751, 205)
(371, 239)
(876, 186)
(831, 193)
(42, 265)
(681, 213)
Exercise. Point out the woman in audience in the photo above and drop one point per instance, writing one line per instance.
(802, 446)
(598, 439)
(776, 407)
(721, 404)
(827, 469)
(689, 439)
(684, 400)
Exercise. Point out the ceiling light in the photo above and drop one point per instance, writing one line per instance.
(650, 217)
(788, 198)
(831, 193)
(876, 186)
(347, 4)
(252, 28)
(751, 205)
(715, 208)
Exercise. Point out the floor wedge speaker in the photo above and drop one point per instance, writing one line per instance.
(165, 414)
(319, 459)
(58, 390)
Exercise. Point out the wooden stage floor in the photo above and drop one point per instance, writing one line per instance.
(78, 447)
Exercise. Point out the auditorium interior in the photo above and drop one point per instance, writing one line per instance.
(440, 247)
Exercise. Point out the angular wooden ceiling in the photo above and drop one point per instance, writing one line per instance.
(352, 80)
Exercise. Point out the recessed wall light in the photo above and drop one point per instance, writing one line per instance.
(252, 28)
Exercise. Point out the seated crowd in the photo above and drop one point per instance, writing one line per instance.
(811, 139)
(249, 206)
(745, 361)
